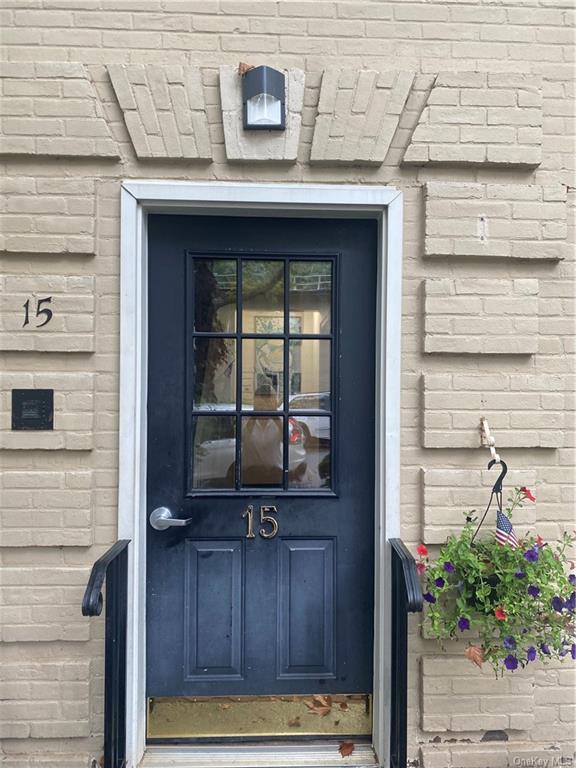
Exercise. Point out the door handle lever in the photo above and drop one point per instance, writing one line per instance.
(162, 518)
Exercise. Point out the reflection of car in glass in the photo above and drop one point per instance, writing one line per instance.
(215, 450)
(315, 428)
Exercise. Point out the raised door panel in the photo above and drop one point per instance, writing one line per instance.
(306, 608)
(213, 625)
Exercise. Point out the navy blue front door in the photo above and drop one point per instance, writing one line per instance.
(261, 433)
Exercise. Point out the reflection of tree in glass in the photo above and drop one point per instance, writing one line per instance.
(215, 287)
(263, 278)
(310, 276)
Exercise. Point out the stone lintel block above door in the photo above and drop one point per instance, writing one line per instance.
(164, 110)
(358, 114)
(495, 221)
(256, 146)
(480, 118)
(51, 108)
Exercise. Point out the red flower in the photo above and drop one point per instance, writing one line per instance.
(527, 493)
(420, 568)
(500, 614)
(422, 550)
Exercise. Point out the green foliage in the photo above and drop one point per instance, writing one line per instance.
(514, 605)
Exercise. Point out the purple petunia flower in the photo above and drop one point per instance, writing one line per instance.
(545, 648)
(511, 662)
(532, 555)
(572, 579)
(439, 582)
(520, 574)
(557, 603)
(570, 604)
(533, 590)
(449, 567)
(463, 623)
(509, 643)
(429, 598)
(531, 653)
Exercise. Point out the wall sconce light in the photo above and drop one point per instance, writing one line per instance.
(264, 100)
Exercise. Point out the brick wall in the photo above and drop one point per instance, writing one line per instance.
(474, 104)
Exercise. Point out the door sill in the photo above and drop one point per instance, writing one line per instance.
(323, 755)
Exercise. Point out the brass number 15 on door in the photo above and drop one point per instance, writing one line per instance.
(264, 519)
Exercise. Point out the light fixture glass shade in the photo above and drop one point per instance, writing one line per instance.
(264, 109)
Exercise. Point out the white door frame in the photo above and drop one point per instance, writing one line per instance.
(137, 199)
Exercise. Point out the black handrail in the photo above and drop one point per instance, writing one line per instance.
(112, 567)
(406, 598)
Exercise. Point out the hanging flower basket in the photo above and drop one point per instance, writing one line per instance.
(512, 601)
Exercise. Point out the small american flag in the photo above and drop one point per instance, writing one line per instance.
(505, 531)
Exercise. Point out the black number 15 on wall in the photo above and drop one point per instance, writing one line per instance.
(41, 311)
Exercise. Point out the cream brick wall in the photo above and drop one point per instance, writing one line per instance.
(496, 221)
(478, 315)
(488, 209)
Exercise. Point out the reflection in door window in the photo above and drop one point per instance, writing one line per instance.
(215, 295)
(214, 372)
(311, 295)
(265, 379)
(263, 296)
(315, 471)
(262, 459)
(262, 371)
(310, 365)
(213, 451)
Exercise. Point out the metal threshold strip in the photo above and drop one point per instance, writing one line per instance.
(254, 717)
(317, 755)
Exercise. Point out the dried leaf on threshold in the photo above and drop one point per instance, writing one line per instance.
(294, 723)
(346, 748)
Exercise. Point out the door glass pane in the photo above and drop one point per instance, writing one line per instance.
(309, 452)
(262, 451)
(215, 295)
(215, 373)
(262, 374)
(263, 296)
(310, 374)
(311, 296)
(213, 451)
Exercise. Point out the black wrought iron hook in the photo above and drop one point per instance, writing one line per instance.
(498, 484)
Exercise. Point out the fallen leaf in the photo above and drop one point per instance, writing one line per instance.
(346, 748)
(294, 723)
(475, 654)
(343, 705)
(223, 706)
(320, 705)
(243, 68)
